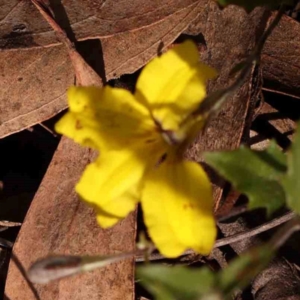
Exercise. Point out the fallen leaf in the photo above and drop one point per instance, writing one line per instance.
(46, 72)
(33, 86)
(249, 5)
(280, 61)
(23, 26)
(271, 124)
(123, 53)
(85, 74)
(281, 58)
(58, 222)
(229, 34)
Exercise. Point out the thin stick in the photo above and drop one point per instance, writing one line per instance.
(6, 244)
(213, 102)
(85, 74)
(233, 213)
(255, 231)
(283, 234)
(46, 12)
(24, 274)
(48, 129)
(234, 238)
(280, 92)
(57, 267)
(10, 224)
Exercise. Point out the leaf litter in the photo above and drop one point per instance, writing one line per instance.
(56, 221)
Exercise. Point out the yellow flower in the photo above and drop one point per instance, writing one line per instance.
(141, 138)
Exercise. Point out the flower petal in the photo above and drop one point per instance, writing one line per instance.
(106, 220)
(112, 183)
(174, 84)
(177, 205)
(105, 117)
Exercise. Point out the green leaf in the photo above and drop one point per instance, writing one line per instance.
(243, 269)
(254, 173)
(251, 4)
(171, 283)
(291, 182)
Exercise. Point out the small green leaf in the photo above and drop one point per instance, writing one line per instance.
(171, 283)
(254, 173)
(291, 182)
(251, 4)
(244, 268)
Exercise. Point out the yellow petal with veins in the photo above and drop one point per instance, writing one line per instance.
(174, 84)
(112, 183)
(178, 208)
(107, 118)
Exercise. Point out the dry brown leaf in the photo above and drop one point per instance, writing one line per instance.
(85, 74)
(58, 222)
(229, 35)
(271, 124)
(23, 26)
(32, 86)
(281, 58)
(40, 68)
(22, 73)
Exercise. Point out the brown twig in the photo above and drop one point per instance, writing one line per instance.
(24, 274)
(56, 267)
(47, 13)
(233, 213)
(283, 234)
(234, 238)
(10, 224)
(255, 231)
(271, 90)
(48, 129)
(85, 74)
(213, 102)
(6, 244)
